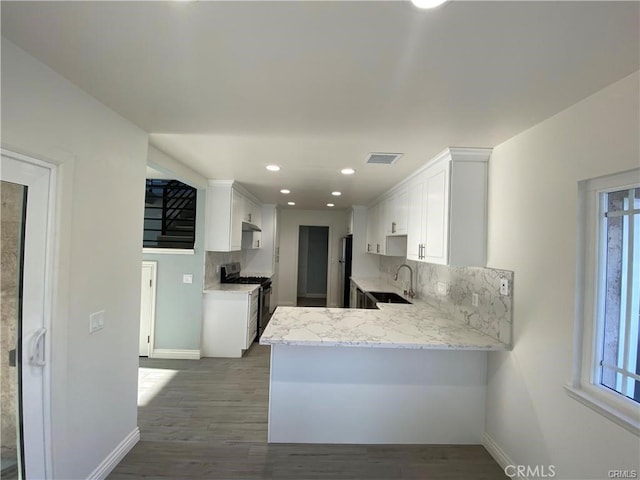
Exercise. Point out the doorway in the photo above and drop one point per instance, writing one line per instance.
(147, 308)
(313, 256)
(26, 204)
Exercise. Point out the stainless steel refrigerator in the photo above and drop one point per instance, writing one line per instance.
(346, 246)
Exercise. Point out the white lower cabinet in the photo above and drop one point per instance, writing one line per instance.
(353, 295)
(230, 323)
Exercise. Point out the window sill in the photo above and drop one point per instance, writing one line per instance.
(169, 251)
(629, 421)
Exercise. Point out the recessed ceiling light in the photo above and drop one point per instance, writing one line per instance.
(336, 194)
(273, 168)
(330, 205)
(285, 191)
(428, 3)
(347, 171)
(291, 203)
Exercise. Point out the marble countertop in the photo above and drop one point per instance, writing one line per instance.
(418, 326)
(232, 288)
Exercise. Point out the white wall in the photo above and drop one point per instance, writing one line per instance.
(532, 231)
(290, 221)
(102, 160)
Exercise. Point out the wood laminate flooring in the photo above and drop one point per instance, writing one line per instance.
(207, 419)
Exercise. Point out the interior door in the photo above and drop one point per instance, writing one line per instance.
(147, 307)
(26, 226)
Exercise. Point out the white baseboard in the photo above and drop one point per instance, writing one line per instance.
(175, 354)
(498, 454)
(116, 456)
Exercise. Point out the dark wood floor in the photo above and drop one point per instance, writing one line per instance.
(210, 421)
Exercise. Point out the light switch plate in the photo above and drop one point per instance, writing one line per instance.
(96, 321)
(187, 278)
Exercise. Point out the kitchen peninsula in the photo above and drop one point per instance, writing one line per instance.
(397, 374)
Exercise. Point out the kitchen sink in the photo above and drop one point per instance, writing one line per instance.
(388, 297)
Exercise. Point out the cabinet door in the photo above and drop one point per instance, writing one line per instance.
(353, 295)
(253, 213)
(383, 222)
(389, 216)
(415, 221)
(401, 212)
(437, 211)
(237, 208)
(372, 224)
(252, 319)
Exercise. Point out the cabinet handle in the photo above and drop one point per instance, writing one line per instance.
(257, 243)
(249, 217)
(368, 247)
(393, 227)
(377, 248)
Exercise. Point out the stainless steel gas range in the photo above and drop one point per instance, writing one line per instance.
(230, 273)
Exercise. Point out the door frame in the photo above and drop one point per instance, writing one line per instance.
(152, 322)
(27, 167)
(329, 258)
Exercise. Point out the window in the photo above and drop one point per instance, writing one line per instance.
(606, 373)
(169, 215)
(619, 289)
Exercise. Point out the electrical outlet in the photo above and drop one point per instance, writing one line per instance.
(187, 278)
(504, 286)
(474, 299)
(96, 321)
(442, 288)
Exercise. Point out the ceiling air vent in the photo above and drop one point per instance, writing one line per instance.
(383, 158)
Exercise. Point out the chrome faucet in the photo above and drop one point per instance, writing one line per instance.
(410, 293)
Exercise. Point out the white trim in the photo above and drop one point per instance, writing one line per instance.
(175, 354)
(609, 409)
(169, 251)
(112, 460)
(154, 288)
(584, 385)
(50, 258)
(498, 454)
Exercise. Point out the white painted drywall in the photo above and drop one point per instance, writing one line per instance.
(102, 160)
(290, 221)
(176, 170)
(532, 230)
(178, 320)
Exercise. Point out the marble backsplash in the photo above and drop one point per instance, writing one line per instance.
(212, 263)
(494, 313)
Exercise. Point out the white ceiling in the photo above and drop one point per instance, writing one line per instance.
(229, 87)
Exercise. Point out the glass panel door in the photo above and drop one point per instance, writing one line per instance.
(26, 223)
(12, 226)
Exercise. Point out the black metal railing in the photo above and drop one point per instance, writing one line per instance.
(169, 214)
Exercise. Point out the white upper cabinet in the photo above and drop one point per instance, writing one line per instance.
(226, 210)
(447, 213)
(252, 213)
(373, 230)
(397, 213)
